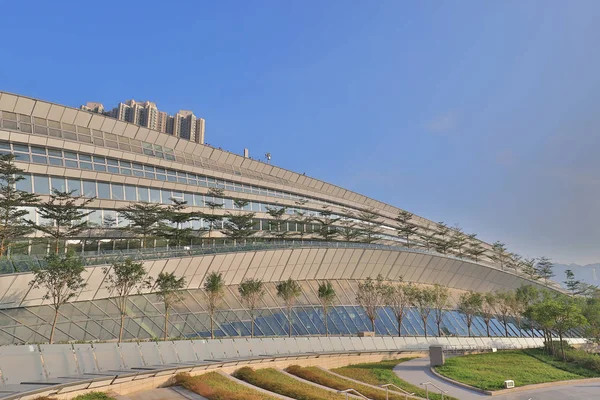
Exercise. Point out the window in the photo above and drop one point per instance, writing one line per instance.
(117, 191)
(59, 184)
(130, 193)
(155, 195)
(75, 186)
(41, 184)
(89, 189)
(143, 194)
(25, 183)
(103, 190)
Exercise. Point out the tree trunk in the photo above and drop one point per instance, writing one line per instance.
(166, 323)
(53, 325)
(399, 327)
(373, 324)
(506, 328)
(439, 326)
(469, 329)
(290, 322)
(487, 327)
(325, 320)
(252, 325)
(425, 326)
(56, 246)
(212, 329)
(562, 346)
(121, 327)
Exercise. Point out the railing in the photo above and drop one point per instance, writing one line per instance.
(353, 391)
(426, 384)
(387, 388)
(22, 263)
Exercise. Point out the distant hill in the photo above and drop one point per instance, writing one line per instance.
(587, 273)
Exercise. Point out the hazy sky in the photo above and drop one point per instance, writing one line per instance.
(481, 113)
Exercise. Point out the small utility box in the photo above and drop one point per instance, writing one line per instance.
(366, 334)
(436, 355)
(509, 384)
(494, 350)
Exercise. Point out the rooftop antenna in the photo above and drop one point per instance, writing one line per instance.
(268, 157)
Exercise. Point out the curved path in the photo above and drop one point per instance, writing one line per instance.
(417, 371)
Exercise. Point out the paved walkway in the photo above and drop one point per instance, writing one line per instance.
(417, 371)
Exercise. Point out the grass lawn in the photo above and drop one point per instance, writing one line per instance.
(87, 396)
(489, 371)
(214, 386)
(274, 381)
(324, 378)
(380, 373)
(573, 367)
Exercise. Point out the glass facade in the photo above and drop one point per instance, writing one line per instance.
(99, 319)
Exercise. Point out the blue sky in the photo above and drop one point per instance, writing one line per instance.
(484, 114)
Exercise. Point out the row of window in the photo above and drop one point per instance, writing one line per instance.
(70, 159)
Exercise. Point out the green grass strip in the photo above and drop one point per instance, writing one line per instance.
(215, 386)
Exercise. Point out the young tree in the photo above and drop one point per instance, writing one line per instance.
(239, 225)
(167, 290)
(474, 247)
(470, 304)
(327, 231)
(422, 299)
(123, 277)
(326, 294)
(525, 296)
(567, 315)
(573, 285)
(278, 221)
(488, 309)
(442, 241)
(62, 281)
(251, 292)
(176, 230)
(13, 223)
(348, 228)
(397, 297)
(289, 291)
(528, 269)
(504, 300)
(499, 254)
(441, 294)
(544, 269)
(214, 286)
(214, 203)
(542, 314)
(458, 240)
(428, 236)
(370, 296)
(145, 220)
(406, 229)
(301, 218)
(369, 226)
(64, 215)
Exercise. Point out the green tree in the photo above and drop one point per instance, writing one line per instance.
(442, 241)
(370, 296)
(145, 220)
(474, 247)
(499, 254)
(544, 269)
(64, 216)
(214, 287)
(239, 225)
(458, 240)
(423, 300)
(504, 300)
(528, 269)
(251, 292)
(289, 291)
(591, 311)
(348, 227)
(488, 309)
(62, 280)
(567, 315)
(177, 231)
(13, 224)
(406, 228)
(470, 304)
(441, 295)
(428, 236)
(168, 287)
(214, 202)
(397, 298)
(573, 285)
(369, 226)
(278, 222)
(301, 218)
(525, 296)
(327, 295)
(327, 230)
(123, 277)
(542, 314)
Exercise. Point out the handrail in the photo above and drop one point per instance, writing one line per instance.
(387, 385)
(354, 391)
(442, 391)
